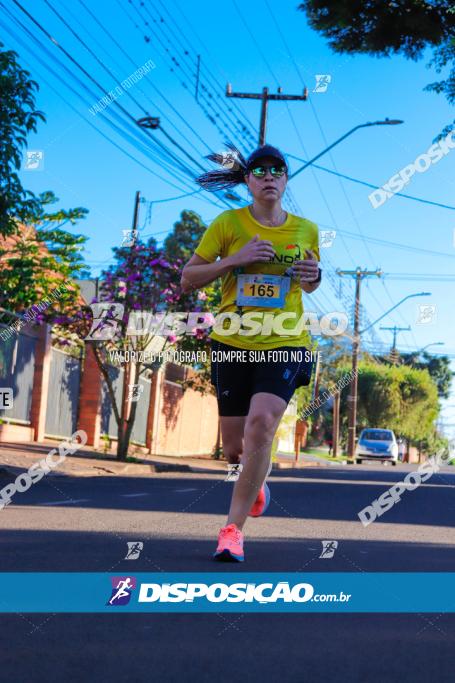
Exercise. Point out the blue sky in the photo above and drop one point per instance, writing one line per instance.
(85, 169)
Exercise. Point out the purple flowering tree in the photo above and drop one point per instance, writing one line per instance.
(141, 279)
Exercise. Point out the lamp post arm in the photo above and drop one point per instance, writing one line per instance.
(410, 296)
(308, 163)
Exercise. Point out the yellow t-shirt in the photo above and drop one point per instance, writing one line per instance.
(226, 235)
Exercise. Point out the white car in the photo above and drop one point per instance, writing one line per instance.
(377, 444)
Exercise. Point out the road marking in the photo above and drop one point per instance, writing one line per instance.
(184, 490)
(66, 502)
(133, 495)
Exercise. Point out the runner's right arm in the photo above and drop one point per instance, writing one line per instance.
(199, 272)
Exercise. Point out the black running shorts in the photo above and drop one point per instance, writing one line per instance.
(238, 374)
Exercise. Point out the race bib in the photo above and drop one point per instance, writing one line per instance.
(263, 291)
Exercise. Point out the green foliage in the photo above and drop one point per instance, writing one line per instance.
(64, 246)
(438, 368)
(18, 118)
(184, 238)
(40, 260)
(179, 247)
(394, 397)
(385, 28)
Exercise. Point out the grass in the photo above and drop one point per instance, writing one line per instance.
(324, 455)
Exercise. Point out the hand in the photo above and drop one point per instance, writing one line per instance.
(254, 251)
(306, 270)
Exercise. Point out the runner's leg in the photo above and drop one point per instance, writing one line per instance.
(232, 437)
(266, 411)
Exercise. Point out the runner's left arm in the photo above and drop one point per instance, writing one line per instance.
(308, 269)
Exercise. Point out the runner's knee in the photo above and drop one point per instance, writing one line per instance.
(261, 425)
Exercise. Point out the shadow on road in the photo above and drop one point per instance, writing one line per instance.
(38, 550)
(316, 495)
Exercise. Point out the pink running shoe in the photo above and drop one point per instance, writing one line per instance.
(261, 503)
(230, 545)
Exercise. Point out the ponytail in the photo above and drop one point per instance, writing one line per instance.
(233, 173)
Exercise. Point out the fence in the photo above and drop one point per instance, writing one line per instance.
(63, 395)
(55, 393)
(108, 422)
(17, 368)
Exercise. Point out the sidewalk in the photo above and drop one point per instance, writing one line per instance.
(15, 457)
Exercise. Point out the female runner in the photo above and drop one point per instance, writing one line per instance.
(265, 257)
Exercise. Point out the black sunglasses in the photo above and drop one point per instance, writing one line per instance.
(275, 171)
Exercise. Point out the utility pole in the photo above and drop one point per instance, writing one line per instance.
(128, 372)
(359, 275)
(336, 424)
(393, 350)
(264, 96)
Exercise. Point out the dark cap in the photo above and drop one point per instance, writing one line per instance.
(265, 151)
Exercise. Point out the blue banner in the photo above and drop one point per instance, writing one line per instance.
(92, 592)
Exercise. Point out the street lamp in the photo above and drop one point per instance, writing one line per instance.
(413, 356)
(410, 296)
(153, 122)
(355, 354)
(386, 122)
(419, 351)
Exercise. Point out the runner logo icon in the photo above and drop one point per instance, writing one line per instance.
(122, 587)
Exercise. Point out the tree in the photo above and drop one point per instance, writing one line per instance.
(185, 236)
(18, 118)
(179, 246)
(383, 28)
(39, 258)
(437, 366)
(141, 280)
(401, 398)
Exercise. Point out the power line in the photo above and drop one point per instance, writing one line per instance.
(375, 187)
(175, 63)
(115, 103)
(388, 243)
(135, 132)
(217, 86)
(58, 91)
(210, 97)
(109, 72)
(151, 84)
(288, 108)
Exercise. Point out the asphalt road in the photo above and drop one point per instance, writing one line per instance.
(83, 523)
